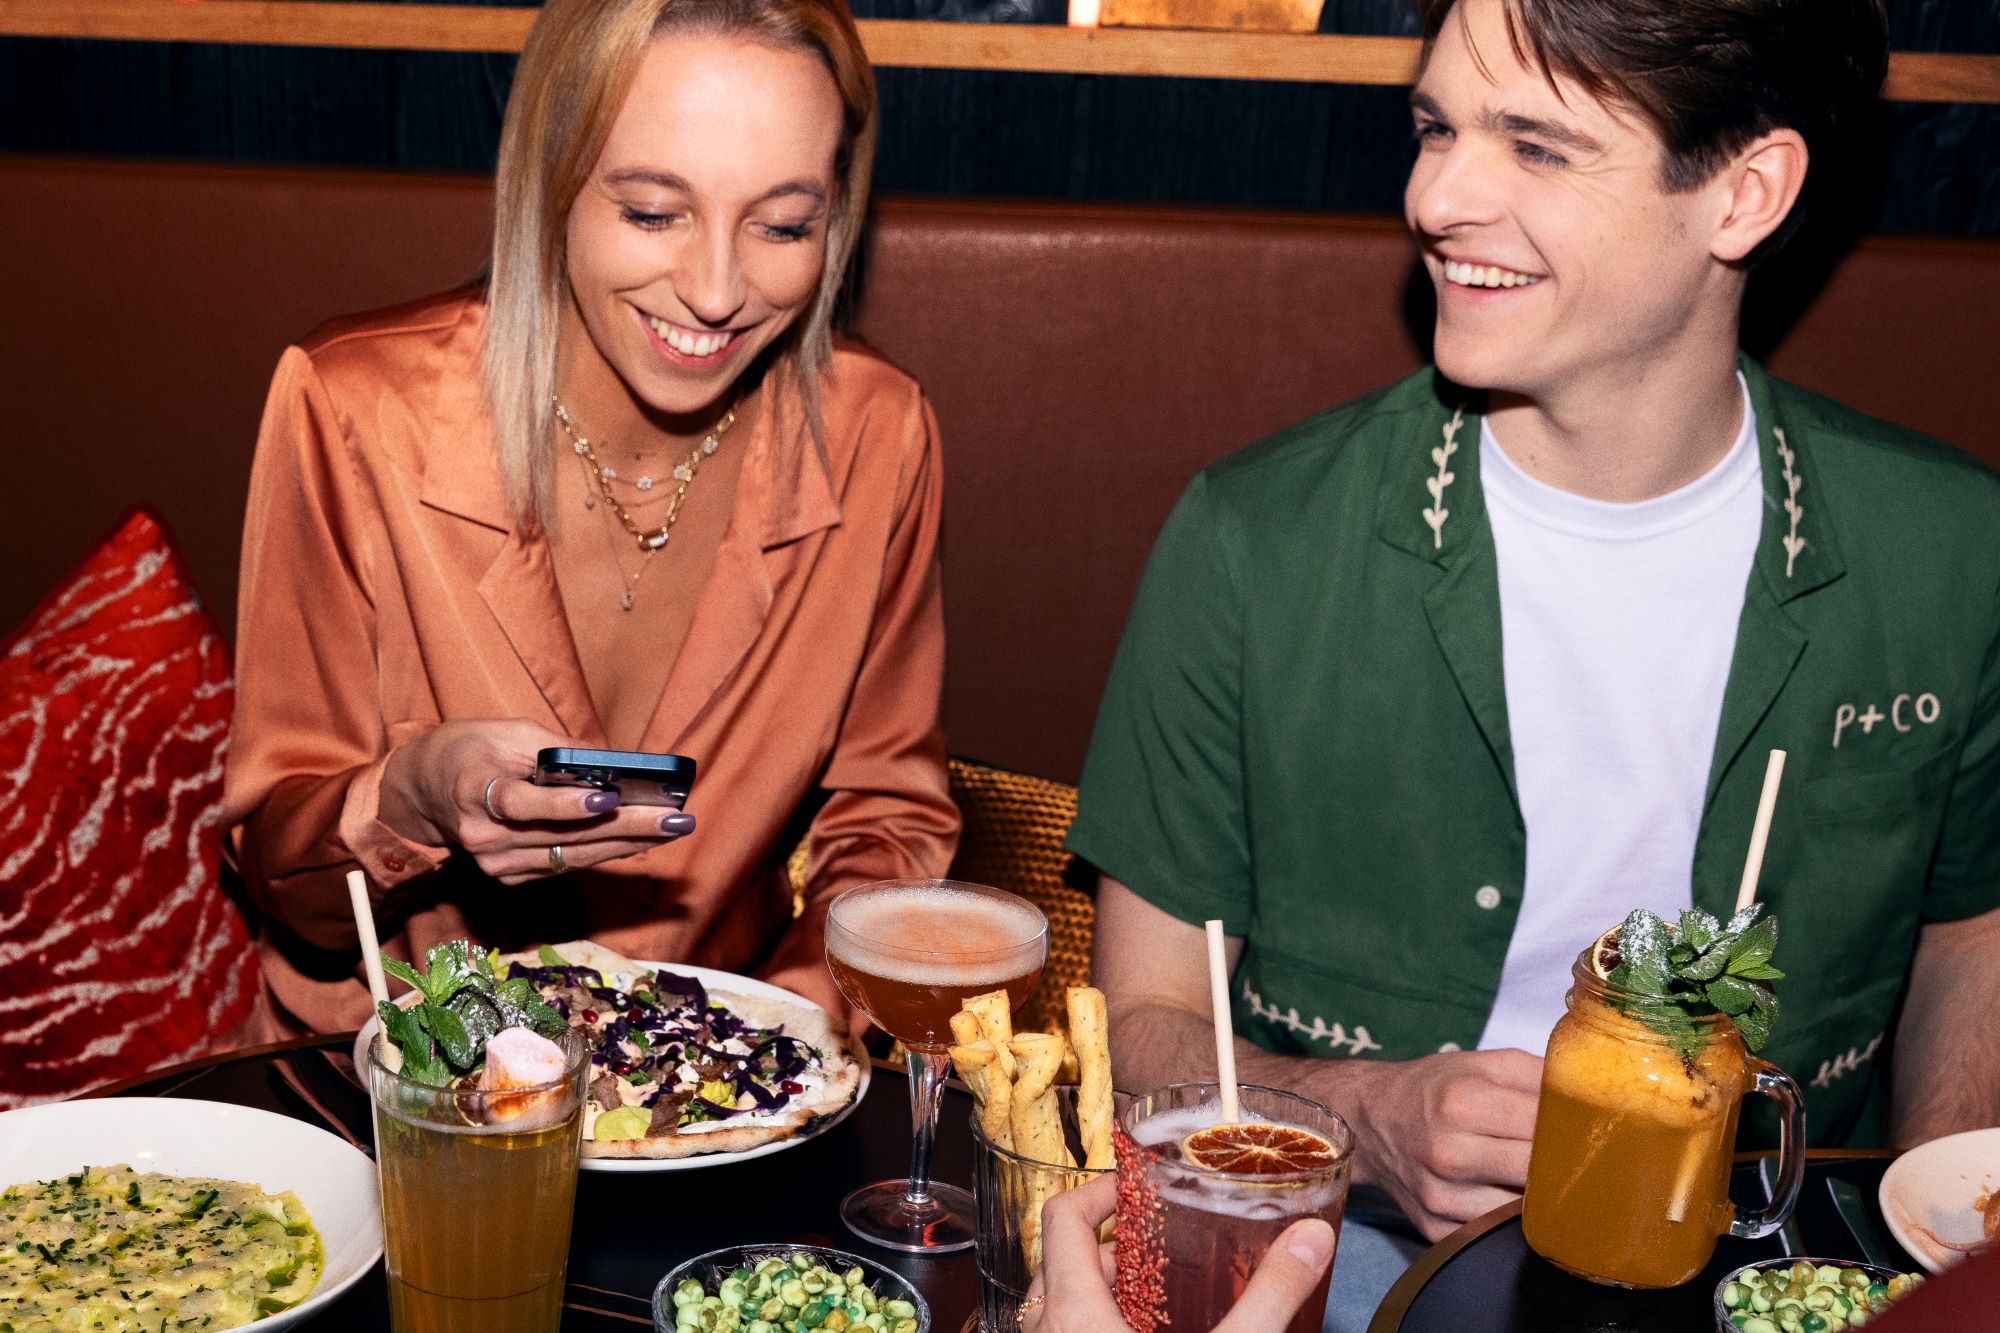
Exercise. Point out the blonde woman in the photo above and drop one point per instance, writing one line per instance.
(630, 493)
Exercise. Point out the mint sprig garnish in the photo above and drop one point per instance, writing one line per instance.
(1671, 977)
(443, 1036)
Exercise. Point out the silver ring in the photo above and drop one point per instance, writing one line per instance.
(556, 863)
(486, 799)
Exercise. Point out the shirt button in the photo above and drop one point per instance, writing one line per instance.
(1450, 1048)
(394, 862)
(1488, 897)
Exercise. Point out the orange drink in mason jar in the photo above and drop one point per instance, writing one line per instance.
(1641, 1086)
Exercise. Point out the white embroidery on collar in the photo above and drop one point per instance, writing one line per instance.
(1793, 485)
(1435, 513)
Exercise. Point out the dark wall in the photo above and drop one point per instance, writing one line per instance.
(1034, 135)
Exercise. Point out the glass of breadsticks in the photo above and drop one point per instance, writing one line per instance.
(1042, 1125)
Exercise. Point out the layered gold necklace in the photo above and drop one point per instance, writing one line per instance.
(650, 541)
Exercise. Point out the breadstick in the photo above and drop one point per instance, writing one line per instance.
(965, 1028)
(1087, 1032)
(996, 1023)
(1038, 1134)
(979, 1069)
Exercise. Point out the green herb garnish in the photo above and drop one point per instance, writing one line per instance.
(1669, 978)
(444, 1035)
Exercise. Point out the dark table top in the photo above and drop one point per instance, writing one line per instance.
(1483, 1276)
(631, 1227)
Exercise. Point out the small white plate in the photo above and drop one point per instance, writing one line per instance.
(729, 983)
(181, 1137)
(1927, 1195)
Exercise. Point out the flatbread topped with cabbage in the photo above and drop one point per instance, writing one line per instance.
(680, 1070)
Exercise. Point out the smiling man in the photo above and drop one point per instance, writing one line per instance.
(1421, 694)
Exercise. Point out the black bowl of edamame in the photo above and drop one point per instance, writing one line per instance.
(786, 1289)
(1799, 1295)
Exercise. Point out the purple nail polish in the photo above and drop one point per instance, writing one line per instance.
(677, 823)
(598, 802)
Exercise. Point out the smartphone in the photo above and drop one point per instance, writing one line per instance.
(638, 778)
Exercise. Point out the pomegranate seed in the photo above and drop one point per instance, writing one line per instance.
(590, 1015)
(792, 1086)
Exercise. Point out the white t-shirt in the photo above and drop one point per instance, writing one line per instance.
(1618, 623)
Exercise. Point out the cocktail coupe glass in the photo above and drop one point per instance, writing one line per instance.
(907, 953)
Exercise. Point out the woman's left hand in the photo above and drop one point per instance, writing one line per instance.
(1072, 1293)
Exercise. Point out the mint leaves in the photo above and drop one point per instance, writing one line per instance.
(1671, 977)
(443, 1036)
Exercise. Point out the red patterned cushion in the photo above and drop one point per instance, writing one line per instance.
(119, 951)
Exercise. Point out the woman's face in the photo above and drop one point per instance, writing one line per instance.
(701, 233)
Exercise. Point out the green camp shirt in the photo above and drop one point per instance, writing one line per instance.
(1305, 731)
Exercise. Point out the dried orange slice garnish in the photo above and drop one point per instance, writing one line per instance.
(1258, 1149)
(1604, 954)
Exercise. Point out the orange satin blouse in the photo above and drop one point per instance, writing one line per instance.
(385, 589)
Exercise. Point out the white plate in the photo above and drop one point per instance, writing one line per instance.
(712, 979)
(1930, 1189)
(182, 1137)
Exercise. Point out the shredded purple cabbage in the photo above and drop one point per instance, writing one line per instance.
(583, 978)
(687, 989)
(679, 1024)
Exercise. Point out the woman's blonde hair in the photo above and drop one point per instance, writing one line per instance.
(578, 65)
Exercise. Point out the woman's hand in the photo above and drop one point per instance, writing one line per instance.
(1075, 1281)
(465, 784)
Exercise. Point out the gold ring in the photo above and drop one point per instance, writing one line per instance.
(486, 799)
(556, 865)
(1021, 1311)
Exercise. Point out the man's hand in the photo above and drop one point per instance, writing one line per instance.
(1447, 1136)
(1076, 1277)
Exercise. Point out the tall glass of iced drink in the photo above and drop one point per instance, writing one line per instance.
(477, 1192)
(1200, 1201)
(1628, 1180)
(907, 953)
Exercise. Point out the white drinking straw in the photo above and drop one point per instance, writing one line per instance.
(371, 957)
(1760, 832)
(1225, 1032)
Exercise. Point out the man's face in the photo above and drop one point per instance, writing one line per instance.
(1560, 261)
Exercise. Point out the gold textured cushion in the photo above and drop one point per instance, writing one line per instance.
(1013, 840)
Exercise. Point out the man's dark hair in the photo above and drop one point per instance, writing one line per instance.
(1713, 75)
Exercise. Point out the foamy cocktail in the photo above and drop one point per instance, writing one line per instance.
(1201, 1200)
(908, 953)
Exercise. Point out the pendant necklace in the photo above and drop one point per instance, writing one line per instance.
(649, 540)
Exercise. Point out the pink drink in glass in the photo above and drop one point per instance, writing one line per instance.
(1189, 1237)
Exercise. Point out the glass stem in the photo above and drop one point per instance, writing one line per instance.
(928, 1071)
